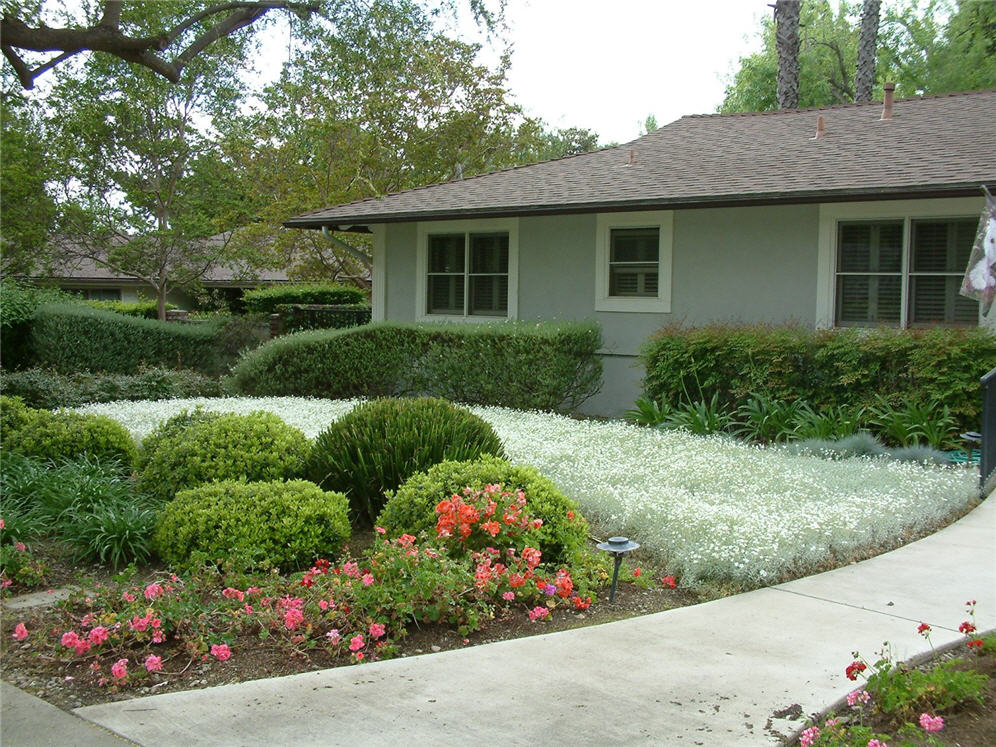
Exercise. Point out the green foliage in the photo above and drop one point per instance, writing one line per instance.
(381, 443)
(18, 303)
(112, 534)
(142, 309)
(115, 343)
(647, 411)
(910, 424)
(194, 449)
(58, 435)
(296, 317)
(827, 423)
(700, 417)
(767, 420)
(170, 431)
(411, 508)
(284, 525)
(904, 693)
(266, 300)
(48, 389)
(827, 368)
(521, 365)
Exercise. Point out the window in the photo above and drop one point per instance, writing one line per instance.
(97, 294)
(468, 269)
(633, 255)
(904, 272)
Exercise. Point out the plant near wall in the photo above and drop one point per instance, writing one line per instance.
(767, 420)
(912, 424)
(828, 423)
(700, 417)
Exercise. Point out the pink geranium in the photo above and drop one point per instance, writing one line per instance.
(120, 669)
(70, 639)
(20, 632)
(292, 618)
(377, 630)
(221, 651)
(931, 723)
(98, 635)
(154, 663)
(152, 591)
(538, 613)
(356, 642)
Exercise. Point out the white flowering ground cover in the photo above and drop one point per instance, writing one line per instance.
(713, 509)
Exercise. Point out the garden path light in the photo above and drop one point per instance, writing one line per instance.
(618, 546)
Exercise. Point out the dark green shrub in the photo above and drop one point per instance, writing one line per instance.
(170, 431)
(111, 533)
(59, 435)
(255, 447)
(827, 368)
(266, 300)
(298, 317)
(379, 444)
(285, 525)
(910, 424)
(18, 302)
(72, 338)
(49, 389)
(411, 508)
(142, 309)
(544, 366)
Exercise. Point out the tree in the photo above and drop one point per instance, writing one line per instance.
(864, 78)
(787, 46)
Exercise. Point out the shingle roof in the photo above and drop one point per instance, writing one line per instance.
(932, 146)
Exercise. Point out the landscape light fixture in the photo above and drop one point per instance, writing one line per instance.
(618, 546)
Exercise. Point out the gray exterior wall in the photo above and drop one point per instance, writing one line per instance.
(729, 264)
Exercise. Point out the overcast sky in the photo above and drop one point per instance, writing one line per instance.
(607, 64)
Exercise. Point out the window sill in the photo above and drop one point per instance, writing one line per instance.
(634, 305)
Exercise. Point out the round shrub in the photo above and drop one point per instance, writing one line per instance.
(285, 525)
(412, 508)
(65, 435)
(169, 432)
(379, 444)
(197, 448)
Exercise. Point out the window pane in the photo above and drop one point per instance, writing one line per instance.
(489, 295)
(634, 244)
(870, 247)
(868, 299)
(633, 280)
(446, 253)
(489, 252)
(942, 246)
(445, 294)
(936, 300)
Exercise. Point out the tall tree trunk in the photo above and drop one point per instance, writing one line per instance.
(787, 44)
(864, 79)
(161, 302)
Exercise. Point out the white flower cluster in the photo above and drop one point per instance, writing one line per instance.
(711, 508)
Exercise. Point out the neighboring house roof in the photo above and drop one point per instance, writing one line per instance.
(932, 146)
(85, 271)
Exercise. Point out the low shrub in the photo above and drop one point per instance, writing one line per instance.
(266, 300)
(58, 435)
(411, 508)
(284, 525)
(46, 388)
(298, 317)
(827, 368)
(379, 444)
(255, 447)
(529, 366)
(170, 431)
(142, 309)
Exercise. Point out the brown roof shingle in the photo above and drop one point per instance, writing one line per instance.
(932, 146)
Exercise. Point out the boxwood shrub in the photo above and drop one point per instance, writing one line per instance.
(60, 435)
(273, 524)
(411, 508)
(192, 450)
(379, 444)
(266, 300)
(827, 368)
(523, 365)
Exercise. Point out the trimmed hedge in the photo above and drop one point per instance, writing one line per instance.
(523, 365)
(72, 337)
(826, 368)
(18, 303)
(40, 387)
(142, 309)
(284, 525)
(298, 317)
(266, 300)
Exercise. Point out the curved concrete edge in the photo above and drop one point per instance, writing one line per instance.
(27, 721)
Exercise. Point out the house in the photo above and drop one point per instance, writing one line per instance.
(860, 214)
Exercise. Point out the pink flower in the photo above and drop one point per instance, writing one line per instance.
(221, 651)
(247, 608)
(368, 579)
(376, 630)
(98, 635)
(508, 596)
(20, 632)
(5, 583)
(82, 647)
(356, 642)
(877, 743)
(158, 636)
(128, 596)
(380, 530)
(231, 593)
(333, 636)
(70, 639)
(292, 618)
(20, 547)
(120, 669)
(858, 696)
(538, 613)
(153, 590)
(2, 525)
(154, 663)
(931, 723)
(139, 624)
(809, 736)
(351, 569)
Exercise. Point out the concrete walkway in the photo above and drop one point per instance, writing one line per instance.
(742, 670)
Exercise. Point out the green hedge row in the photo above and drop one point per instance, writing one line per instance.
(298, 317)
(143, 309)
(266, 300)
(72, 337)
(545, 366)
(827, 368)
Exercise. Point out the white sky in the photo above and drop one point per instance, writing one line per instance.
(607, 64)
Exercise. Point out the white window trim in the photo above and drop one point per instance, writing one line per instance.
(831, 214)
(604, 223)
(491, 225)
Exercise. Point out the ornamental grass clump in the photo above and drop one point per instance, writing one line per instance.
(283, 525)
(381, 443)
(195, 449)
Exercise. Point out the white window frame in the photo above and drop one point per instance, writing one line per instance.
(490, 225)
(832, 214)
(663, 220)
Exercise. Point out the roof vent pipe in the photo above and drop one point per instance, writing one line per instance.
(632, 156)
(821, 129)
(890, 89)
